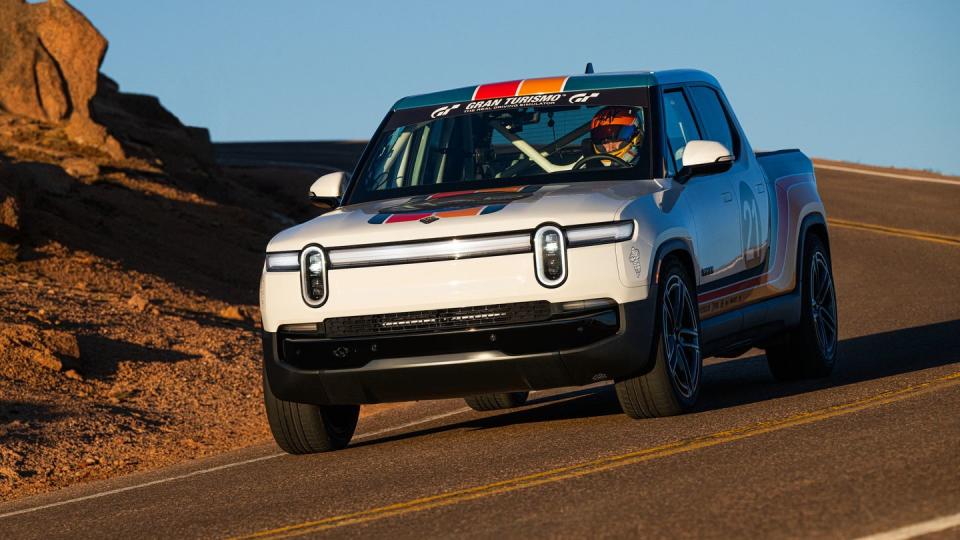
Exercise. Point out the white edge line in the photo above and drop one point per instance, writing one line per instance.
(917, 529)
(138, 486)
(410, 424)
(220, 467)
(888, 175)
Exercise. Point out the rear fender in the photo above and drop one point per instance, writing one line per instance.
(815, 222)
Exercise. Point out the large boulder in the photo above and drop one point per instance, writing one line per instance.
(50, 57)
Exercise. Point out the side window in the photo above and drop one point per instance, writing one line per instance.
(680, 126)
(713, 117)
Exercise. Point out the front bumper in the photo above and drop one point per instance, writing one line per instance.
(567, 350)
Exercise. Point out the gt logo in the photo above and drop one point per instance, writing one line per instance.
(442, 111)
(582, 97)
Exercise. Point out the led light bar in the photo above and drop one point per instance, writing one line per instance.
(284, 261)
(438, 250)
(588, 235)
(453, 248)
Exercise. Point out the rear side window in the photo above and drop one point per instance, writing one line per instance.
(680, 126)
(713, 118)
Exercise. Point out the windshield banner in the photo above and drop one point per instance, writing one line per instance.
(618, 96)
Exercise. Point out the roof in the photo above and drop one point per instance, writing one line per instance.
(550, 85)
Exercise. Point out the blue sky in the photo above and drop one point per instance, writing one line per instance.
(869, 81)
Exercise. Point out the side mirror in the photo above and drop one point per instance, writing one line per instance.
(325, 191)
(704, 157)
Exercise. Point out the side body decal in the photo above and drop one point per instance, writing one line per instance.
(778, 270)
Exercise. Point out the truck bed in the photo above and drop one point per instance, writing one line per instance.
(780, 163)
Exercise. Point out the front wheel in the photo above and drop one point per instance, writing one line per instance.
(302, 428)
(810, 349)
(672, 386)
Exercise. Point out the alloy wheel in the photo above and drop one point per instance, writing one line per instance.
(681, 336)
(823, 305)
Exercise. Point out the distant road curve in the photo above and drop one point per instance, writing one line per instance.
(898, 176)
(321, 155)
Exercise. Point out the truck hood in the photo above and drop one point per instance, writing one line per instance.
(443, 215)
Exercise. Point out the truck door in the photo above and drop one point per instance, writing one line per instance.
(711, 198)
(746, 178)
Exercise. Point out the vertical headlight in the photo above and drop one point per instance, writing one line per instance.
(550, 256)
(313, 275)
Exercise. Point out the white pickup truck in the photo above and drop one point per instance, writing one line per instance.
(542, 233)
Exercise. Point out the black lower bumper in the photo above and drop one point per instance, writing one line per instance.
(571, 350)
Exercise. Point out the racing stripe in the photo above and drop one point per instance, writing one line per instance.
(546, 85)
(463, 212)
(450, 194)
(479, 210)
(496, 90)
(511, 189)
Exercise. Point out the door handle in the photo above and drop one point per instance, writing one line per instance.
(727, 196)
(760, 188)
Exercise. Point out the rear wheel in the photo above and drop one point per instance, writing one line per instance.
(301, 428)
(500, 400)
(810, 349)
(672, 386)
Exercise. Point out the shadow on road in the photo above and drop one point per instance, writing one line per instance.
(744, 381)
(581, 403)
(863, 358)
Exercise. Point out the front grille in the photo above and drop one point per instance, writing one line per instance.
(437, 319)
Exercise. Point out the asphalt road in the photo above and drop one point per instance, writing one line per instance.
(874, 448)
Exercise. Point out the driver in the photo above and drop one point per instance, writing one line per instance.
(618, 132)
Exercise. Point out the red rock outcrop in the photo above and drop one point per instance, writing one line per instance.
(50, 56)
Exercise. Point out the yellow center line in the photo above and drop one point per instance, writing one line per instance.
(605, 463)
(905, 233)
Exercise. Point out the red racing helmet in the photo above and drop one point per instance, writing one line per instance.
(617, 131)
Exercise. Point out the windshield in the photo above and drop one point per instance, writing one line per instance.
(510, 141)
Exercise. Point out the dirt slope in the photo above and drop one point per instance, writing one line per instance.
(129, 267)
(128, 319)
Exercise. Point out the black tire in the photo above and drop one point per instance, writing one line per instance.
(301, 428)
(810, 349)
(663, 391)
(497, 401)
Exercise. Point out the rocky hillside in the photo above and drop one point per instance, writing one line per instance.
(129, 266)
